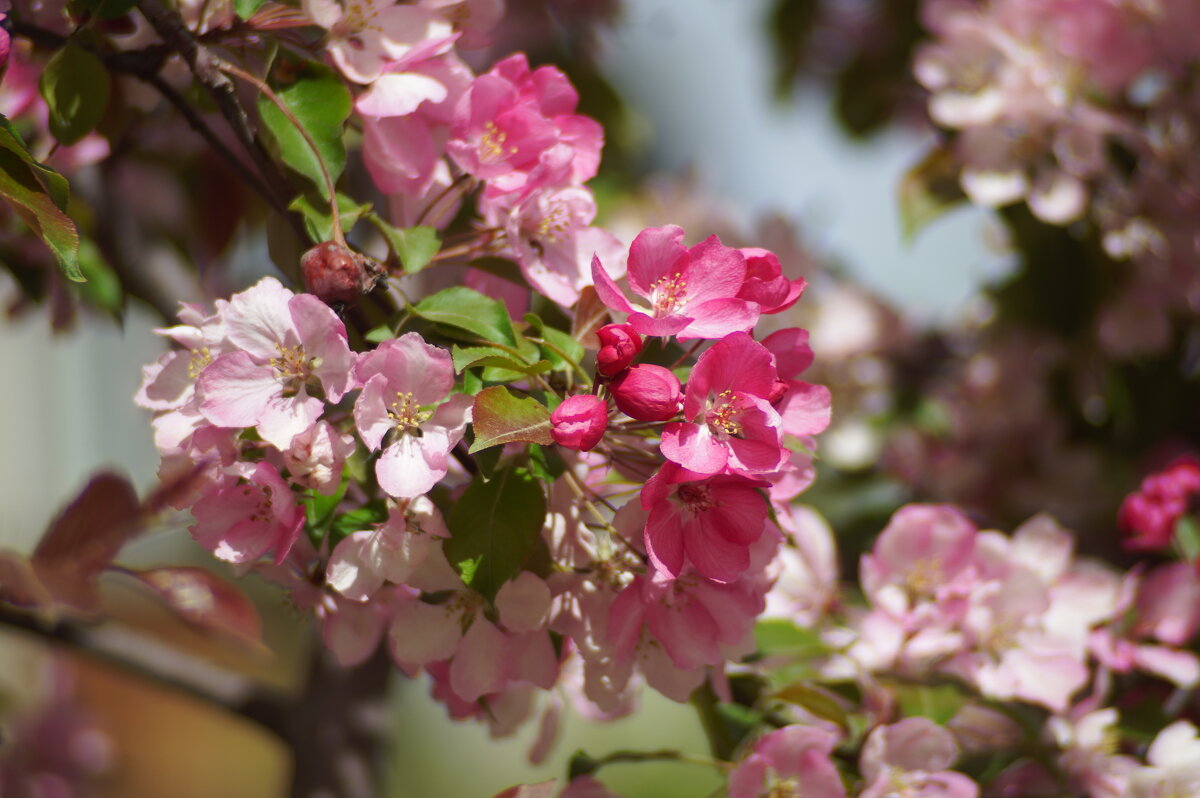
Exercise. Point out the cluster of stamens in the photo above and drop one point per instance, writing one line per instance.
(262, 513)
(491, 145)
(668, 294)
(290, 362)
(552, 228)
(724, 416)
(695, 498)
(200, 359)
(406, 413)
(356, 18)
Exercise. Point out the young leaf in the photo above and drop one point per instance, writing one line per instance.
(38, 195)
(468, 356)
(321, 104)
(494, 528)
(590, 315)
(75, 85)
(414, 246)
(247, 8)
(928, 190)
(469, 310)
(205, 600)
(317, 220)
(501, 417)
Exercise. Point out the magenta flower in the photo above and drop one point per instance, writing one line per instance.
(1150, 513)
(239, 520)
(579, 422)
(689, 293)
(288, 345)
(804, 407)
(713, 521)
(730, 424)
(517, 129)
(405, 381)
(794, 760)
(646, 392)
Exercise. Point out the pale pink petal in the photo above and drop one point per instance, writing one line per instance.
(481, 664)
(399, 94)
(523, 603)
(370, 412)
(285, 417)
(405, 470)
(258, 319)
(235, 390)
(423, 633)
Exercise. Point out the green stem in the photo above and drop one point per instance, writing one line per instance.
(720, 741)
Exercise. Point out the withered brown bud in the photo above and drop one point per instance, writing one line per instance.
(338, 275)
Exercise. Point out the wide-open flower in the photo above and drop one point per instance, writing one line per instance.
(391, 552)
(711, 520)
(517, 129)
(689, 293)
(730, 424)
(366, 35)
(288, 345)
(404, 382)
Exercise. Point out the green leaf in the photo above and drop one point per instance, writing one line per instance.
(546, 464)
(321, 104)
(247, 8)
(775, 636)
(495, 527)
(358, 519)
(75, 85)
(471, 311)
(500, 267)
(1187, 538)
(928, 190)
(317, 219)
(55, 184)
(939, 702)
(466, 357)
(502, 417)
(21, 183)
(817, 701)
(559, 342)
(414, 246)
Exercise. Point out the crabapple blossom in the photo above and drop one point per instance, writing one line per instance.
(729, 422)
(690, 293)
(392, 552)
(1174, 764)
(242, 518)
(912, 758)
(787, 761)
(517, 129)
(404, 408)
(710, 520)
(366, 35)
(765, 283)
(287, 346)
(1150, 513)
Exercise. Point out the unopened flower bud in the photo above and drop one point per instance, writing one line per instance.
(646, 392)
(619, 345)
(579, 422)
(337, 275)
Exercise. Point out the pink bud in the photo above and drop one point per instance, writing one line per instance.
(619, 345)
(579, 422)
(778, 391)
(647, 392)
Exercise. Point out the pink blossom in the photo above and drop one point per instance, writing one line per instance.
(765, 283)
(473, 19)
(239, 520)
(366, 35)
(579, 422)
(805, 408)
(619, 345)
(730, 424)
(689, 293)
(548, 231)
(517, 129)
(646, 392)
(711, 520)
(1174, 764)
(912, 758)
(363, 561)
(792, 760)
(405, 381)
(316, 457)
(288, 345)
(808, 568)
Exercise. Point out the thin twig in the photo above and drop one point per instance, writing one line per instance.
(229, 69)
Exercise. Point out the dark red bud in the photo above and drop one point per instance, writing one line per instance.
(337, 275)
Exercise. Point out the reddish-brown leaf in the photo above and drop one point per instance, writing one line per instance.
(501, 417)
(206, 600)
(590, 315)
